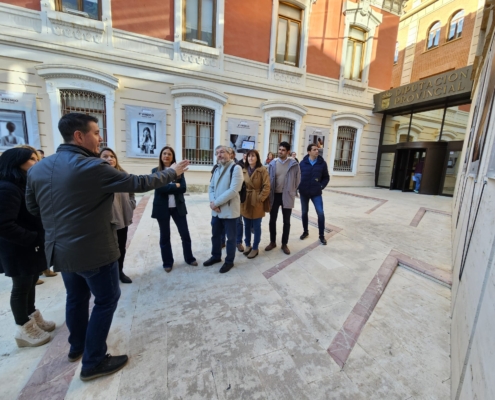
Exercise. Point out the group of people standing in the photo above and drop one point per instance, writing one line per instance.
(73, 210)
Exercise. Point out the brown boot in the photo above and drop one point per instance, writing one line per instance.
(271, 246)
(49, 273)
(285, 249)
(39, 282)
(253, 254)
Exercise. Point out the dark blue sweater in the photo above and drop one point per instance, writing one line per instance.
(314, 178)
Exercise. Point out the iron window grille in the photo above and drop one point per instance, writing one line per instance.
(83, 8)
(281, 130)
(199, 21)
(197, 134)
(433, 36)
(344, 151)
(456, 24)
(355, 54)
(288, 34)
(82, 101)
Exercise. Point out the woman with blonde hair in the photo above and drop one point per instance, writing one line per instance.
(122, 212)
(169, 203)
(257, 201)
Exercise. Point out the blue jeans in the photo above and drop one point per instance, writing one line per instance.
(165, 245)
(218, 226)
(91, 336)
(239, 229)
(418, 181)
(318, 203)
(255, 224)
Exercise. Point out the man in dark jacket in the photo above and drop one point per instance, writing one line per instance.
(314, 178)
(73, 190)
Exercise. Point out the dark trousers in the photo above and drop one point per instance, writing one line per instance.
(22, 297)
(318, 203)
(166, 246)
(286, 213)
(91, 336)
(218, 226)
(239, 228)
(122, 240)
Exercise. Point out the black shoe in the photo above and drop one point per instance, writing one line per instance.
(323, 240)
(75, 355)
(211, 261)
(108, 366)
(124, 278)
(225, 268)
(304, 235)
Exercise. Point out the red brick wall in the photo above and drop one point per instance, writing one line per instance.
(31, 4)
(154, 19)
(247, 29)
(382, 58)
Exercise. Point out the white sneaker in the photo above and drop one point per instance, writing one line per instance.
(47, 326)
(30, 335)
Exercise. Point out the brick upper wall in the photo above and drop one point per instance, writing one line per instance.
(155, 19)
(31, 4)
(247, 29)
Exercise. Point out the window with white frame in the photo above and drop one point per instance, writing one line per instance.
(199, 21)
(456, 24)
(281, 130)
(288, 34)
(356, 44)
(82, 101)
(198, 134)
(433, 36)
(84, 8)
(344, 150)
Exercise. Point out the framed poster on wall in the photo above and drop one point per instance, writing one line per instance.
(243, 136)
(145, 131)
(318, 137)
(18, 120)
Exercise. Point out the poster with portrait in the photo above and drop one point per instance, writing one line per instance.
(318, 137)
(243, 136)
(145, 131)
(18, 120)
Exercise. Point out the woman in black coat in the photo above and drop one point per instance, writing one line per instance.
(22, 255)
(169, 203)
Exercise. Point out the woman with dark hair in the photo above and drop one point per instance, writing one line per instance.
(122, 211)
(22, 253)
(169, 203)
(269, 158)
(257, 200)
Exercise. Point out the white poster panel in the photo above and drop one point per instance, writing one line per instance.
(145, 131)
(243, 135)
(18, 120)
(319, 137)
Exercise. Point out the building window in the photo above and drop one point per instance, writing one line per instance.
(82, 101)
(433, 36)
(84, 8)
(288, 34)
(456, 23)
(197, 134)
(344, 150)
(355, 54)
(199, 21)
(281, 130)
(396, 54)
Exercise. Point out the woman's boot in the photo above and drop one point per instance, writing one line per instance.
(47, 326)
(30, 335)
(49, 273)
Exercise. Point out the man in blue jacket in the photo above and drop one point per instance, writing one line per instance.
(314, 178)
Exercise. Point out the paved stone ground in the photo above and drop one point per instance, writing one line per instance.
(196, 334)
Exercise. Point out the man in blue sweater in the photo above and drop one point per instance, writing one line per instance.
(314, 178)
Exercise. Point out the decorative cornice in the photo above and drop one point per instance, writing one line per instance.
(199, 91)
(362, 14)
(344, 115)
(76, 27)
(53, 71)
(284, 105)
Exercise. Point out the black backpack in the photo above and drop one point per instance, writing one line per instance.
(242, 192)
